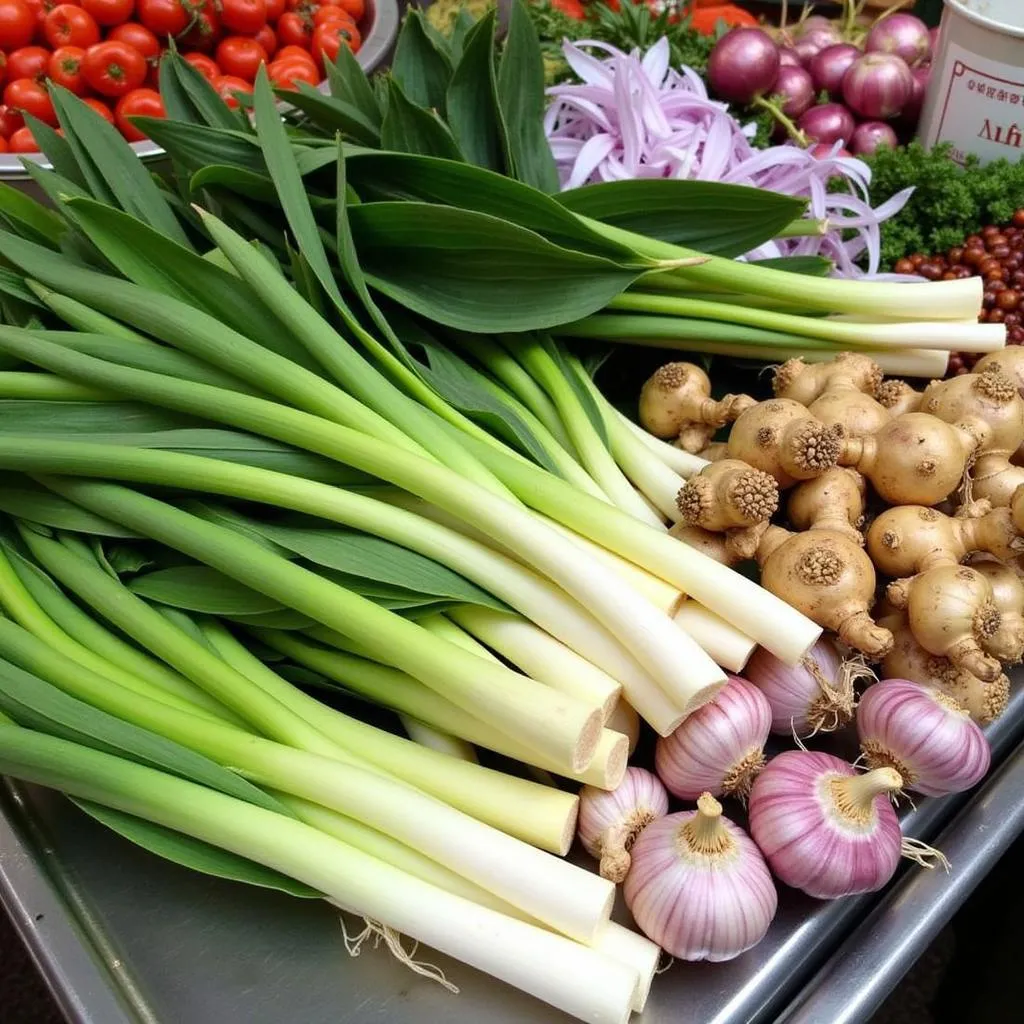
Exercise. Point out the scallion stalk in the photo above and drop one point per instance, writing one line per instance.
(434, 739)
(682, 462)
(48, 387)
(552, 968)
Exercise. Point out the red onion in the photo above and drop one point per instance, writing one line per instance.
(811, 43)
(720, 747)
(825, 150)
(823, 827)
(829, 65)
(877, 85)
(924, 734)
(609, 822)
(699, 887)
(743, 65)
(912, 108)
(796, 90)
(813, 23)
(901, 34)
(829, 122)
(933, 40)
(788, 57)
(869, 135)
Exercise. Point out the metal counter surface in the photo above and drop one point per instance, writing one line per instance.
(126, 937)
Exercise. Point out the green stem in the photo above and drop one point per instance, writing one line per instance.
(47, 387)
(805, 227)
(85, 318)
(782, 118)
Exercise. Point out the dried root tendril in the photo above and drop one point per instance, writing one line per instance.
(393, 940)
(923, 854)
(835, 707)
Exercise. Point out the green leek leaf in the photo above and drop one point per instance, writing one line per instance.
(409, 128)
(198, 588)
(464, 21)
(245, 182)
(29, 216)
(421, 68)
(22, 497)
(25, 416)
(333, 114)
(348, 82)
(476, 272)
(191, 88)
(521, 100)
(13, 285)
(57, 150)
(192, 853)
(724, 220)
(815, 266)
(195, 145)
(111, 166)
(472, 99)
(284, 618)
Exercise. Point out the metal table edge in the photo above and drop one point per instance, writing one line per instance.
(83, 987)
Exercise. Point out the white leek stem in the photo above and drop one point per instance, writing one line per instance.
(538, 654)
(724, 642)
(396, 690)
(563, 973)
(685, 464)
(624, 719)
(434, 739)
(621, 944)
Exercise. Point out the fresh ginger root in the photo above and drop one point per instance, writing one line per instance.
(1007, 643)
(910, 539)
(839, 392)
(952, 613)
(676, 402)
(898, 397)
(782, 438)
(715, 452)
(983, 701)
(825, 575)
(834, 501)
(727, 548)
(915, 459)
(730, 497)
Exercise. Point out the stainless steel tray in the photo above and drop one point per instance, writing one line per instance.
(123, 937)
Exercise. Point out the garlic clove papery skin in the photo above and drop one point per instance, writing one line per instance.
(719, 749)
(926, 735)
(824, 828)
(709, 900)
(611, 820)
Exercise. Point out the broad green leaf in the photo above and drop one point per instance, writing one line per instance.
(57, 150)
(27, 214)
(333, 115)
(13, 285)
(464, 21)
(522, 102)
(478, 273)
(814, 266)
(374, 558)
(99, 145)
(409, 128)
(192, 853)
(25, 416)
(202, 100)
(348, 82)
(285, 618)
(127, 560)
(150, 260)
(421, 68)
(22, 497)
(724, 220)
(450, 183)
(473, 113)
(224, 515)
(198, 588)
(38, 704)
(245, 182)
(195, 145)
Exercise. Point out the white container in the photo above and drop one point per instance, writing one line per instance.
(975, 97)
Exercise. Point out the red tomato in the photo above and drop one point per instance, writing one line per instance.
(329, 38)
(206, 66)
(267, 39)
(66, 69)
(40, 9)
(228, 85)
(100, 107)
(3, 67)
(68, 25)
(163, 17)
(137, 103)
(245, 16)
(205, 30)
(3, 145)
(357, 8)
(28, 62)
(23, 141)
(286, 73)
(17, 24)
(29, 97)
(275, 8)
(295, 53)
(330, 15)
(240, 56)
(138, 36)
(109, 12)
(292, 30)
(10, 121)
(113, 68)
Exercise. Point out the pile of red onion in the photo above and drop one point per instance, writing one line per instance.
(636, 117)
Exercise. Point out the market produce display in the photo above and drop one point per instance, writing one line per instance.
(108, 52)
(332, 559)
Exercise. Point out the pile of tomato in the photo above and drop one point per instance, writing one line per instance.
(108, 51)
